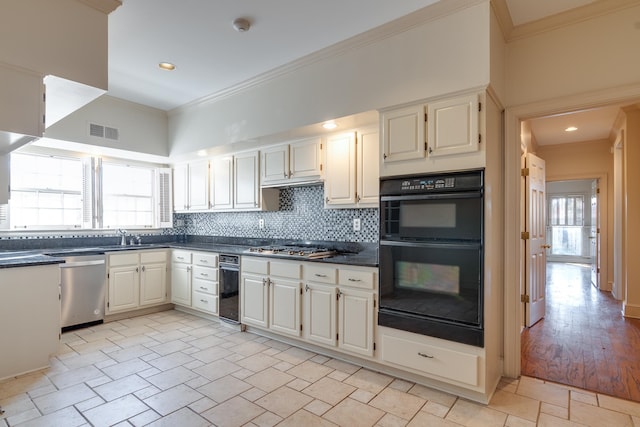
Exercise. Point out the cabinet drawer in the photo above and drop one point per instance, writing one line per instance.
(431, 359)
(320, 273)
(206, 286)
(205, 302)
(205, 273)
(205, 259)
(254, 265)
(130, 258)
(181, 256)
(357, 278)
(292, 270)
(153, 257)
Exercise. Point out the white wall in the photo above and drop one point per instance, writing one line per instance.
(440, 56)
(591, 55)
(142, 129)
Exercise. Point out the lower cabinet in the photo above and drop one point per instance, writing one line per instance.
(194, 280)
(270, 295)
(136, 279)
(326, 304)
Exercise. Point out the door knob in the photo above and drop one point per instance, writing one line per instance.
(546, 246)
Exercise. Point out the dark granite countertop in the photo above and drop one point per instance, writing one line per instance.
(358, 254)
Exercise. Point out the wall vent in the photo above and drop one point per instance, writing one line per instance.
(105, 132)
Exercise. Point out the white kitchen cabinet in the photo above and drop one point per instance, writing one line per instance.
(352, 170)
(191, 186)
(181, 277)
(136, 279)
(453, 126)
(339, 306)
(246, 181)
(270, 295)
(293, 163)
(403, 133)
(29, 318)
(222, 183)
(435, 135)
(204, 282)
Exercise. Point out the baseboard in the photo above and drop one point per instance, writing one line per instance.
(631, 310)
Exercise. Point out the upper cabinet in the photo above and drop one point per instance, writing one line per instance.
(352, 170)
(221, 183)
(246, 179)
(437, 135)
(191, 186)
(294, 163)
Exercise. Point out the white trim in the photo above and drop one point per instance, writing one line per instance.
(512, 260)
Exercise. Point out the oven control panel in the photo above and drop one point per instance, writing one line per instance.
(427, 183)
(441, 183)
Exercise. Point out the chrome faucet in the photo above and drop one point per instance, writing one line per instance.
(123, 236)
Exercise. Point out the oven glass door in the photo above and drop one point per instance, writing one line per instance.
(451, 217)
(441, 281)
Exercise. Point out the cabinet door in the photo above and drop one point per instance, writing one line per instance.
(320, 321)
(123, 288)
(275, 164)
(368, 170)
(340, 171)
(222, 183)
(153, 283)
(305, 159)
(180, 198)
(453, 126)
(355, 324)
(246, 182)
(181, 284)
(254, 300)
(403, 133)
(199, 185)
(284, 306)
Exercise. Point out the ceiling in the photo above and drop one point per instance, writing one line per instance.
(211, 57)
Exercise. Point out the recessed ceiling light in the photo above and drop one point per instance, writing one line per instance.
(571, 129)
(329, 125)
(241, 25)
(167, 66)
(202, 153)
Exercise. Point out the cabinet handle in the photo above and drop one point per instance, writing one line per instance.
(284, 174)
(320, 275)
(204, 261)
(204, 301)
(137, 269)
(204, 274)
(384, 155)
(180, 257)
(338, 294)
(290, 174)
(430, 150)
(188, 268)
(143, 269)
(306, 288)
(354, 280)
(264, 282)
(203, 288)
(326, 199)
(425, 355)
(358, 198)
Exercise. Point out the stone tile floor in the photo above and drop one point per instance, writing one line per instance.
(175, 369)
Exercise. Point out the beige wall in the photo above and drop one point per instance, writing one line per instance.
(591, 55)
(583, 160)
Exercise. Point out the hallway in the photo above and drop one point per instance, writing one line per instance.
(583, 341)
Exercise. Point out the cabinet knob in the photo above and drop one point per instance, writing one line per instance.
(143, 269)
(306, 288)
(430, 150)
(384, 155)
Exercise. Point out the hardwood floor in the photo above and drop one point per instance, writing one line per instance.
(583, 341)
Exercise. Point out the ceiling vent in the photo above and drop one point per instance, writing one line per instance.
(105, 132)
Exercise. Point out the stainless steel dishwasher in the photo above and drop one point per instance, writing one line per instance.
(83, 279)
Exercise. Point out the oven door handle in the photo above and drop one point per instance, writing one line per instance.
(439, 196)
(431, 244)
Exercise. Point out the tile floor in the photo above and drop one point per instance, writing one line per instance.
(174, 369)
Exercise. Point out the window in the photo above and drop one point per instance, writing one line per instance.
(566, 218)
(56, 192)
(46, 192)
(127, 196)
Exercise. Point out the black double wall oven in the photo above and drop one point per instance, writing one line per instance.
(431, 255)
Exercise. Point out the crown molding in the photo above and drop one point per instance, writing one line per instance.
(430, 13)
(569, 17)
(501, 12)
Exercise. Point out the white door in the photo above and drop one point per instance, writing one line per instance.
(340, 174)
(246, 180)
(123, 288)
(199, 185)
(594, 236)
(403, 134)
(222, 183)
(181, 284)
(535, 245)
(305, 159)
(153, 283)
(275, 164)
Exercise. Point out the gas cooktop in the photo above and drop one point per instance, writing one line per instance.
(292, 251)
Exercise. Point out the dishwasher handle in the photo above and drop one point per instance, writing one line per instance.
(81, 263)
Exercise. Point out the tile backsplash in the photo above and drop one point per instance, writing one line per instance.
(301, 216)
